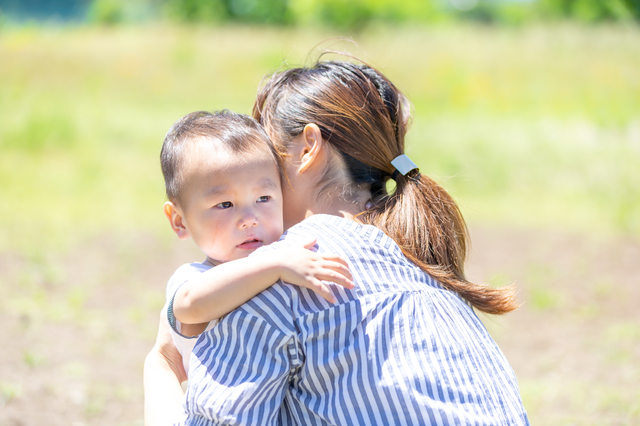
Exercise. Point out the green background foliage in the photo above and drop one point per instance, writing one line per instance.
(353, 15)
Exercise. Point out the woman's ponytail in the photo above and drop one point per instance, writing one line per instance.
(364, 117)
(426, 223)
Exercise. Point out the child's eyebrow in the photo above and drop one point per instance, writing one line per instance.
(268, 184)
(215, 190)
(265, 183)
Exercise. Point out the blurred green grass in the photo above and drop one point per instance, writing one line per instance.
(532, 126)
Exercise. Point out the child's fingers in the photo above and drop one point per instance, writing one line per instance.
(322, 290)
(309, 243)
(336, 278)
(338, 264)
(334, 258)
(335, 273)
(339, 268)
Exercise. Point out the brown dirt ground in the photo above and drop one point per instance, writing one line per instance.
(76, 328)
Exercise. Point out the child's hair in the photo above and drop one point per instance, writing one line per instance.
(238, 133)
(364, 118)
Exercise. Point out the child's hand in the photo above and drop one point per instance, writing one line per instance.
(302, 267)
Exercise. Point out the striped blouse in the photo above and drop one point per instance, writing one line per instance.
(397, 349)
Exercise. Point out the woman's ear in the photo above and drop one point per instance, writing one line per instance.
(176, 220)
(312, 152)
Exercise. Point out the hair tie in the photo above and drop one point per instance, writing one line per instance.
(403, 165)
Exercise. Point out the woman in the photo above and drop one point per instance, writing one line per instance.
(404, 346)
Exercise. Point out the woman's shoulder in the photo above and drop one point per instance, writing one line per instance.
(325, 226)
(359, 243)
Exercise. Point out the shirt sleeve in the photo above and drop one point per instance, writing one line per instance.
(183, 343)
(241, 371)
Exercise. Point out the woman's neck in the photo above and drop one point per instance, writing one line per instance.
(338, 206)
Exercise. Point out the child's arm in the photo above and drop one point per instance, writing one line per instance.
(220, 290)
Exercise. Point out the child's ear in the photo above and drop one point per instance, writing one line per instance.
(176, 220)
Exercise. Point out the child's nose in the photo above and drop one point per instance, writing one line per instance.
(249, 219)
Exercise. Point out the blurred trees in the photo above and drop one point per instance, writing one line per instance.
(107, 12)
(590, 10)
(254, 11)
(57, 10)
(351, 14)
(355, 14)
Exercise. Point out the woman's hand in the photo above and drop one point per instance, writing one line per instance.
(163, 374)
(305, 268)
(166, 349)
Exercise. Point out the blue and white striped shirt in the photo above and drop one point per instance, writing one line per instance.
(396, 350)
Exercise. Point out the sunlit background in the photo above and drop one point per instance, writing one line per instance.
(528, 112)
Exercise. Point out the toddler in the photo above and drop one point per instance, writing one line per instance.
(223, 182)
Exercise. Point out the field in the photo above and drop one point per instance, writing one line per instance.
(534, 130)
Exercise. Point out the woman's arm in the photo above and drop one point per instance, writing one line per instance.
(222, 289)
(163, 374)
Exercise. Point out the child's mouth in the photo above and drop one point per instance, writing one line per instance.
(250, 244)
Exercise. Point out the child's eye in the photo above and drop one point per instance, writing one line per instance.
(224, 205)
(264, 198)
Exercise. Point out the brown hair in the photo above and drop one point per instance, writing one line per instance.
(237, 132)
(364, 117)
